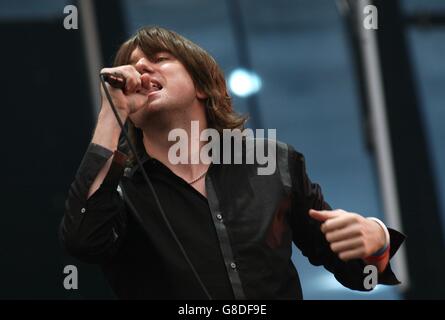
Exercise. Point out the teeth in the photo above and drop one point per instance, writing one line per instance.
(156, 86)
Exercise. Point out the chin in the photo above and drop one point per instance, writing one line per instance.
(145, 114)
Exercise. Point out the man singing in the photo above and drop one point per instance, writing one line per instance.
(230, 230)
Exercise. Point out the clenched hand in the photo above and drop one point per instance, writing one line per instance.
(350, 235)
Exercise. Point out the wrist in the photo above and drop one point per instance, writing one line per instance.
(107, 114)
(107, 131)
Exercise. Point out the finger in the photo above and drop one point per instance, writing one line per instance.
(137, 76)
(130, 74)
(345, 245)
(358, 253)
(336, 223)
(145, 81)
(342, 234)
(107, 71)
(132, 84)
(322, 215)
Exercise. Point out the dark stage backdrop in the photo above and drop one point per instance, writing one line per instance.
(47, 124)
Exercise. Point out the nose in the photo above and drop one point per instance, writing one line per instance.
(144, 66)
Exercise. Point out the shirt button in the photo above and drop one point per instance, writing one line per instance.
(219, 216)
(82, 210)
(233, 265)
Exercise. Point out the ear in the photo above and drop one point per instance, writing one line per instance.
(200, 94)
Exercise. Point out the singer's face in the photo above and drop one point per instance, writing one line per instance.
(165, 82)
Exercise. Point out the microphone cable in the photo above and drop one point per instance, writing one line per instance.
(117, 82)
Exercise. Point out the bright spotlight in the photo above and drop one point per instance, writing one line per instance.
(244, 83)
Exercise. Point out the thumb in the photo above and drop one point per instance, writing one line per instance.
(322, 215)
(145, 81)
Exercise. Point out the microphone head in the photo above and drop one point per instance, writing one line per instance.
(114, 79)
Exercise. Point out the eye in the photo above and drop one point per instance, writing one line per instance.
(160, 58)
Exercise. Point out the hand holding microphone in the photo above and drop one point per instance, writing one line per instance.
(122, 94)
(124, 87)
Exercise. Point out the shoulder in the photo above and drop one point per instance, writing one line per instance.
(283, 148)
(288, 162)
(284, 153)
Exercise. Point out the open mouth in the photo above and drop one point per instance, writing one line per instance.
(154, 87)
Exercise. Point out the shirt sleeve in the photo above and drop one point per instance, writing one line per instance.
(92, 229)
(309, 238)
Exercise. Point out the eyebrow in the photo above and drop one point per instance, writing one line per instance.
(133, 59)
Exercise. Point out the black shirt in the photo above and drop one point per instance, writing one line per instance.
(238, 239)
(189, 214)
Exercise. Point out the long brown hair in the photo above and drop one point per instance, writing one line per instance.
(203, 69)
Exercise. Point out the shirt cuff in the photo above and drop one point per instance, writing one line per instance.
(382, 250)
(99, 150)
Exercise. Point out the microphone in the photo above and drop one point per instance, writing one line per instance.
(114, 79)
